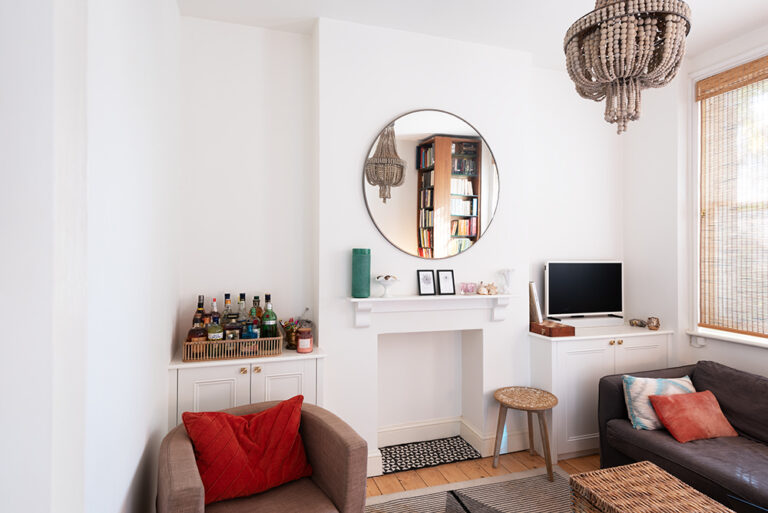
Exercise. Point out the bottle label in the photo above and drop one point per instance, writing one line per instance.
(269, 322)
(216, 336)
(304, 343)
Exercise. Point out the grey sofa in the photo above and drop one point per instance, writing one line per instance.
(733, 471)
(338, 456)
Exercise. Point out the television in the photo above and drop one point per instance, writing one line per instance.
(583, 289)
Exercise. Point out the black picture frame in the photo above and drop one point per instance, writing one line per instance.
(426, 282)
(443, 277)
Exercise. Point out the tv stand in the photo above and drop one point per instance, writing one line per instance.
(584, 321)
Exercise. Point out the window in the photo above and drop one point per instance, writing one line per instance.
(733, 227)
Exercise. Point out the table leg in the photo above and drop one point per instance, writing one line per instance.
(545, 442)
(499, 434)
(530, 433)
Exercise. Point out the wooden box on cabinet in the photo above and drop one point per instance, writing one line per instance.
(218, 385)
(571, 367)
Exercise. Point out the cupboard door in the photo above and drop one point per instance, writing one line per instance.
(637, 354)
(580, 366)
(213, 388)
(282, 380)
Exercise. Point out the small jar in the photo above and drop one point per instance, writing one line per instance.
(305, 342)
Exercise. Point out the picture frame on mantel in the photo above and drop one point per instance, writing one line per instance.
(426, 279)
(445, 284)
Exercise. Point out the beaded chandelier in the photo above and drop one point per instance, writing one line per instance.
(385, 169)
(623, 47)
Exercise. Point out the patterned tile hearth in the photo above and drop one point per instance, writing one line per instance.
(412, 456)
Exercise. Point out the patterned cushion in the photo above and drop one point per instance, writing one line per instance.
(239, 456)
(637, 391)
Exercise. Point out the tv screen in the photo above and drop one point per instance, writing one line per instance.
(584, 288)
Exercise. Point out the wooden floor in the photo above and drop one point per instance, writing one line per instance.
(474, 469)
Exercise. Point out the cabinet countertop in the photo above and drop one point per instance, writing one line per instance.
(605, 331)
(287, 355)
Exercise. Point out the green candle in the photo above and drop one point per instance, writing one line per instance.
(361, 272)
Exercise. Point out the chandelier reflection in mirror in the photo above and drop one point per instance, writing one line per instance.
(385, 168)
(623, 47)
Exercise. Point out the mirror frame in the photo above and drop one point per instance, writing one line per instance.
(495, 165)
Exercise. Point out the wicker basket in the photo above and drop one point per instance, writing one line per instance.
(239, 348)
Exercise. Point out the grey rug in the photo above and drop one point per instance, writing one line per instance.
(412, 456)
(513, 494)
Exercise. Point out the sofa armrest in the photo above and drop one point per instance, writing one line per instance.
(338, 455)
(611, 403)
(179, 487)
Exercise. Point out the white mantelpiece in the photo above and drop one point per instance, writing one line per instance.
(364, 307)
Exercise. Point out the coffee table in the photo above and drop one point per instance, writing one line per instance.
(637, 488)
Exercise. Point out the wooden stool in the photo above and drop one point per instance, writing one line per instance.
(529, 400)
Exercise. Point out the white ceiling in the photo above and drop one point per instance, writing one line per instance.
(535, 26)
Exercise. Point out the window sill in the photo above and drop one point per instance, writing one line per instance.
(725, 336)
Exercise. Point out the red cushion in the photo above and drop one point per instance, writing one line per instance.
(238, 456)
(693, 416)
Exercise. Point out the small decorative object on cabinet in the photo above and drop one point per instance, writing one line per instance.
(603, 49)
(290, 326)
(445, 283)
(571, 367)
(386, 281)
(361, 272)
(638, 323)
(653, 323)
(426, 282)
(304, 340)
(552, 329)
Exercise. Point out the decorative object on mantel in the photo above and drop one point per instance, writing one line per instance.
(623, 47)
(506, 276)
(426, 282)
(386, 281)
(638, 323)
(385, 169)
(467, 288)
(552, 329)
(361, 272)
(445, 283)
(534, 307)
(487, 290)
(653, 323)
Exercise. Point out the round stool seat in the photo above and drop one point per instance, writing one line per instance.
(525, 398)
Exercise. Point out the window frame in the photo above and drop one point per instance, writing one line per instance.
(694, 203)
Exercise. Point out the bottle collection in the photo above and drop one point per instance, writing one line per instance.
(233, 325)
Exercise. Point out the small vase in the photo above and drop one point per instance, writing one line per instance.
(290, 339)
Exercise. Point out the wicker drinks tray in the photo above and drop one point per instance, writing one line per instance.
(234, 349)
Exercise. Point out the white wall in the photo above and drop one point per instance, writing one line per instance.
(133, 247)
(573, 189)
(659, 218)
(246, 165)
(26, 273)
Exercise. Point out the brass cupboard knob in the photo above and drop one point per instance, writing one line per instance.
(243, 370)
(256, 370)
(621, 341)
(612, 342)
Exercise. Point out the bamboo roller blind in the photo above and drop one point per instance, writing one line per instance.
(733, 267)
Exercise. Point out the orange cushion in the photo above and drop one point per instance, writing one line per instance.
(693, 416)
(238, 456)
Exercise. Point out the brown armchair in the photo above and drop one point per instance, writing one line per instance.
(338, 456)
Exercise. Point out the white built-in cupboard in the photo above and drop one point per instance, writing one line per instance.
(571, 367)
(213, 386)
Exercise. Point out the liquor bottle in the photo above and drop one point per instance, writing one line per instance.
(215, 315)
(198, 318)
(269, 319)
(256, 312)
(232, 329)
(214, 331)
(197, 333)
(242, 315)
(227, 313)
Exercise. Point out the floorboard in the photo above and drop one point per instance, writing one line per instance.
(473, 469)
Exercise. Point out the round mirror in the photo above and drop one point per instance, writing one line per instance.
(431, 184)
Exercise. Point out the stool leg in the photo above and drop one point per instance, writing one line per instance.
(545, 442)
(499, 434)
(530, 433)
